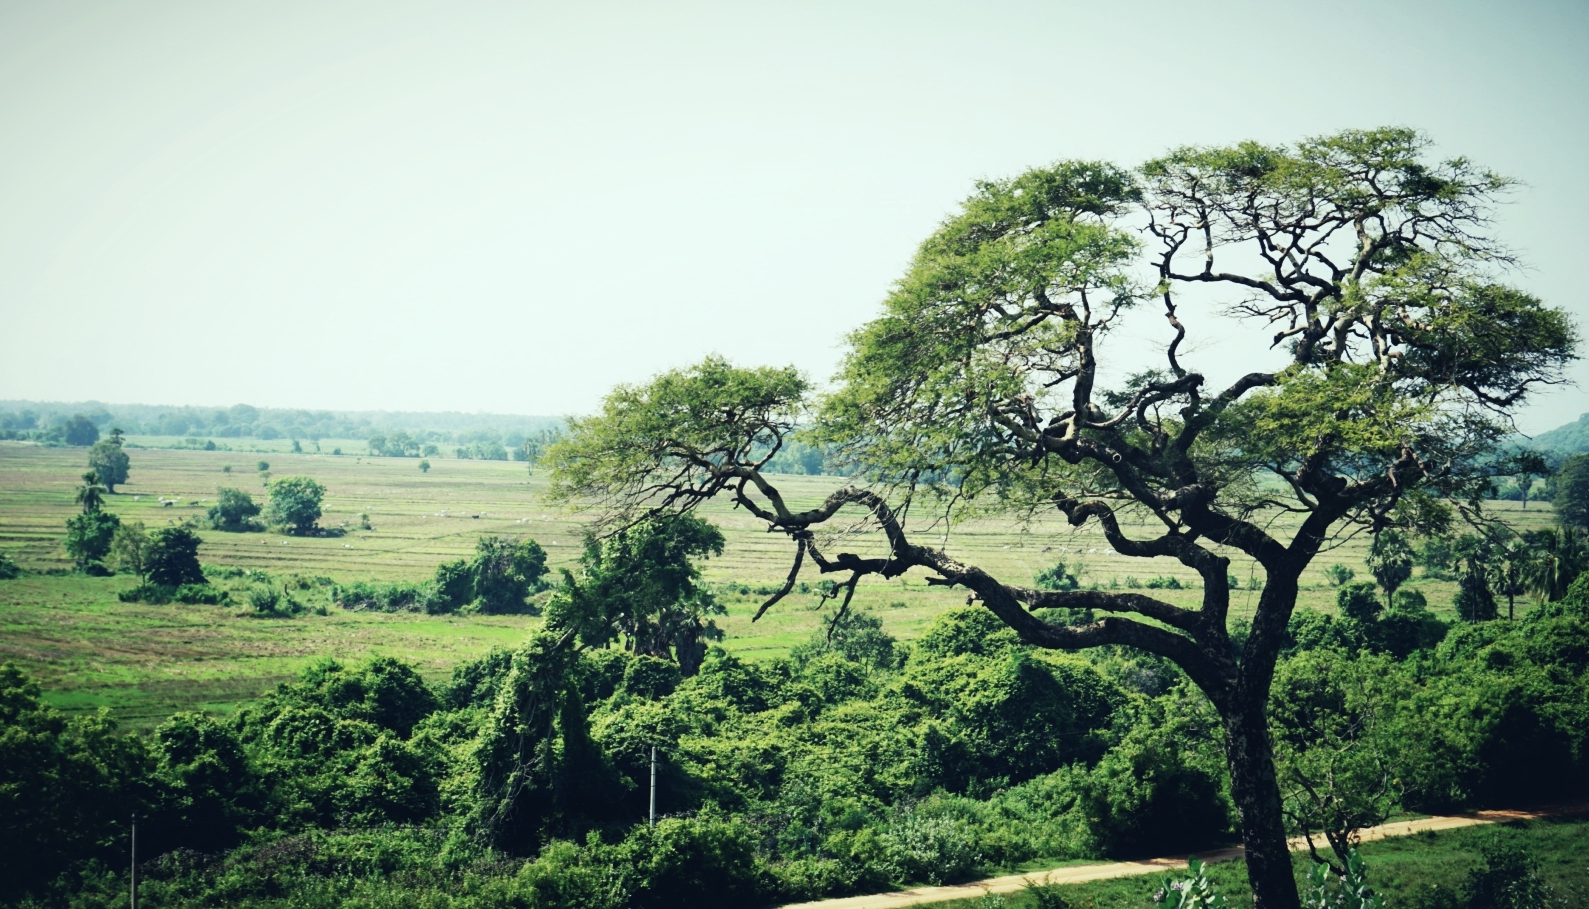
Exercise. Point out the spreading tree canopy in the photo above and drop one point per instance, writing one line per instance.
(109, 461)
(1389, 355)
(294, 503)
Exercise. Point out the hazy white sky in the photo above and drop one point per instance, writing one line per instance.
(511, 206)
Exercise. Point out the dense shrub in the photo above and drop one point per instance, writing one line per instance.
(191, 594)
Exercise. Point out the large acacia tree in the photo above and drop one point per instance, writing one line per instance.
(1386, 357)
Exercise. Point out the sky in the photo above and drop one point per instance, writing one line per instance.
(510, 207)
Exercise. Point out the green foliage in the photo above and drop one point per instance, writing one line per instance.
(9, 569)
(190, 594)
(1339, 773)
(79, 430)
(1347, 889)
(1474, 600)
(66, 786)
(234, 510)
(1508, 879)
(211, 790)
(497, 580)
(1390, 560)
(294, 504)
(1159, 791)
(642, 585)
(88, 539)
(1339, 574)
(90, 495)
(107, 460)
(1570, 494)
(129, 547)
(858, 636)
(171, 557)
(454, 585)
(424, 466)
(1195, 892)
(967, 631)
(1058, 577)
(504, 572)
(665, 423)
(370, 596)
(1358, 602)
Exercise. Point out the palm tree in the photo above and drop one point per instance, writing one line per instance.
(1559, 556)
(90, 495)
(1509, 571)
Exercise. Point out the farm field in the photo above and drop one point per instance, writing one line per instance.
(90, 650)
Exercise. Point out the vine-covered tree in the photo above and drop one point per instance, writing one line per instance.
(1392, 352)
(642, 585)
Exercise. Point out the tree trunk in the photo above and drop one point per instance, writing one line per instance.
(1256, 792)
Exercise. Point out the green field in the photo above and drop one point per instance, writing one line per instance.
(89, 649)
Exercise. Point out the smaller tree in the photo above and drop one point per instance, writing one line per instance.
(1556, 559)
(454, 585)
(642, 584)
(171, 558)
(1526, 467)
(1336, 766)
(1059, 577)
(1571, 494)
(80, 430)
(263, 466)
(1339, 574)
(88, 539)
(234, 510)
(295, 504)
(1475, 602)
(109, 461)
(1357, 601)
(504, 572)
(1509, 572)
(90, 495)
(1390, 561)
(424, 467)
(129, 546)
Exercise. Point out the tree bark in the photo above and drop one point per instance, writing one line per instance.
(1256, 791)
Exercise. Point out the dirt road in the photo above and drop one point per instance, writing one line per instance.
(1075, 874)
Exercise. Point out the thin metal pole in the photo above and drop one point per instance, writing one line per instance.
(653, 822)
(135, 860)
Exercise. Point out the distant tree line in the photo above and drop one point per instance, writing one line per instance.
(82, 425)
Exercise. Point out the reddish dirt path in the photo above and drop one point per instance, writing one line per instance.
(1075, 874)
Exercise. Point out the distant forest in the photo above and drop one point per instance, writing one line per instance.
(415, 434)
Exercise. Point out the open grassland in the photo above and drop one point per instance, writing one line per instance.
(144, 661)
(1404, 870)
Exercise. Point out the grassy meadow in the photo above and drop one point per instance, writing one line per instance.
(90, 650)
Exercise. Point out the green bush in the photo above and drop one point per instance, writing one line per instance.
(190, 594)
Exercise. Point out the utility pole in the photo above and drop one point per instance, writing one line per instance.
(135, 860)
(653, 789)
